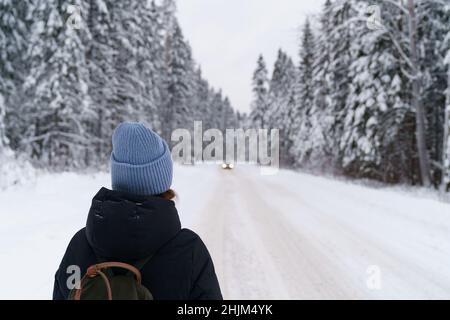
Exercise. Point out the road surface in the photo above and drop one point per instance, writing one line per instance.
(292, 236)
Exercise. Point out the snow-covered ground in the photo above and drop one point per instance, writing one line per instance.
(286, 236)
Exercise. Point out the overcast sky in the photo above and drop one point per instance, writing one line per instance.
(228, 35)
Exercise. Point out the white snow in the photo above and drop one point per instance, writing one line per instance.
(290, 235)
(13, 171)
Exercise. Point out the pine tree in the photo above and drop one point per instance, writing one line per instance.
(445, 180)
(57, 90)
(229, 119)
(101, 90)
(3, 141)
(301, 148)
(433, 25)
(321, 114)
(281, 91)
(149, 57)
(126, 38)
(242, 120)
(416, 92)
(373, 97)
(340, 58)
(216, 120)
(201, 99)
(280, 87)
(178, 83)
(260, 104)
(14, 28)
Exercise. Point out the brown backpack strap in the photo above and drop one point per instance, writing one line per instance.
(96, 270)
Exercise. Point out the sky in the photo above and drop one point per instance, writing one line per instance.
(227, 36)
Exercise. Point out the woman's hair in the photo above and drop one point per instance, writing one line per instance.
(168, 195)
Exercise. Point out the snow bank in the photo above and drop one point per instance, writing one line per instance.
(40, 217)
(14, 170)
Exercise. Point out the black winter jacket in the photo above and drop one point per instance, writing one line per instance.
(127, 228)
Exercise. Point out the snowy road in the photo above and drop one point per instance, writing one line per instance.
(298, 236)
(286, 236)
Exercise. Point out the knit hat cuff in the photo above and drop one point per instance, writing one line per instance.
(146, 179)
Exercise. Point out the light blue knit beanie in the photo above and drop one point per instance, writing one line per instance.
(141, 162)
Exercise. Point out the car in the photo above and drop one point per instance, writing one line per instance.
(227, 166)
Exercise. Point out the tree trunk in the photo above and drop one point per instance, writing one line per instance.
(420, 115)
(446, 149)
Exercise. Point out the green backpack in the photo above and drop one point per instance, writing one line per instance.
(100, 283)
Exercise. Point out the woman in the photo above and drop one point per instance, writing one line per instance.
(137, 221)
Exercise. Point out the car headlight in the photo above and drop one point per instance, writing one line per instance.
(224, 165)
(231, 166)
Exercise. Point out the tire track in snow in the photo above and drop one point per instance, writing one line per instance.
(307, 272)
(403, 276)
(244, 268)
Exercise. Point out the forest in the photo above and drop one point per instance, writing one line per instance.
(63, 90)
(357, 101)
(364, 102)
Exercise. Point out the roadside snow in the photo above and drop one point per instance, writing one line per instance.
(39, 219)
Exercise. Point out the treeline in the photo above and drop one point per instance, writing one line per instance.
(65, 83)
(364, 101)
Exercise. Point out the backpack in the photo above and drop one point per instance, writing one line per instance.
(100, 283)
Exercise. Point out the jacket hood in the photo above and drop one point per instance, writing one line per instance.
(130, 227)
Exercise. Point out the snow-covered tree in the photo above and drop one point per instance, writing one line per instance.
(200, 100)
(281, 86)
(302, 126)
(126, 39)
(178, 83)
(3, 140)
(370, 101)
(340, 59)
(321, 114)
(14, 27)
(374, 100)
(445, 180)
(433, 24)
(65, 87)
(229, 117)
(413, 61)
(150, 59)
(101, 89)
(281, 91)
(260, 104)
(56, 90)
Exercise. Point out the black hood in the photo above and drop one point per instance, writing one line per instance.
(130, 227)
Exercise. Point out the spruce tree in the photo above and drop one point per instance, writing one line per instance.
(302, 126)
(281, 91)
(260, 104)
(445, 163)
(101, 90)
(178, 83)
(3, 141)
(321, 114)
(433, 25)
(14, 28)
(56, 90)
